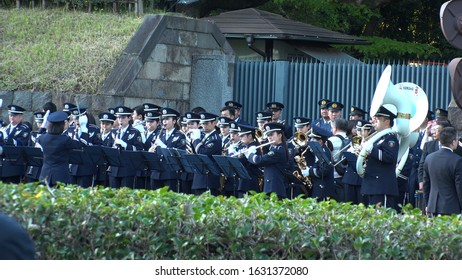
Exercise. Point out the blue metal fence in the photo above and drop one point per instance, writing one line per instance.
(299, 85)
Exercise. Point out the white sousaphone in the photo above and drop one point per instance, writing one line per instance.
(412, 105)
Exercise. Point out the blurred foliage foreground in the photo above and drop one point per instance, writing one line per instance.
(103, 223)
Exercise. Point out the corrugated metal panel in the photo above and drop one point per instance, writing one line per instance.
(301, 85)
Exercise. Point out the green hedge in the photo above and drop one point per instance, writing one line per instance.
(76, 223)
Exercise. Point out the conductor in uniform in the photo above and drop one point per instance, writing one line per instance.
(379, 184)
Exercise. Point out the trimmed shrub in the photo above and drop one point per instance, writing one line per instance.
(103, 223)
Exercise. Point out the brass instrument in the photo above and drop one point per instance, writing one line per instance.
(259, 135)
(300, 139)
(301, 162)
(257, 147)
(357, 142)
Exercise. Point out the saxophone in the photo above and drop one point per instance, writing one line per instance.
(301, 162)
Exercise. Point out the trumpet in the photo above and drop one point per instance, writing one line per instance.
(257, 147)
(356, 141)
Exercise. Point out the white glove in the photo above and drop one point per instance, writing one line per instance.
(368, 147)
(83, 121)
(121, 143)
(250, 150)
(159, 143)
(306, 172)
(232, 149)
(195, 134)
(45, 119)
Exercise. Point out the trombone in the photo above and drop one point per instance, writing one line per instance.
(300, 139)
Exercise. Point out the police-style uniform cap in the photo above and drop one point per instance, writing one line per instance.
(57, 117)
(15, 109)
(245, 129)
(387, 110)
(363, 124)
(39, 116)
(233, 104)
(274, 126)
(123, 111)
(111, 110)
(78, 111)
(233, 127)
(264, 116)
(439, 112)
(224, 121)
(323, 103)
(301, 121)
(207, 117)
(152, 116)
(68, 106)
(183, 120)
(107, 117)
(430, 115)
(334, 106)
(190, 116)
(318, 132)
(169, 112)
(151, 107)
(357, 111)
(274, 106)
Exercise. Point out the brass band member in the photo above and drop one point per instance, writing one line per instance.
(275, 162)
(303, 126)
(170, 137)
(125, 138)
(263, 118)
(192, 122)
(223, 124)
(324, 120)
(319, 166)
(152, 128)
(276, 109)
(207, 142)
(246, 135)
(33, 172)
(107, 131)
(234, 144)
(351, 180)
(379, 183)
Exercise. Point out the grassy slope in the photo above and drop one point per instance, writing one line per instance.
(60, 51)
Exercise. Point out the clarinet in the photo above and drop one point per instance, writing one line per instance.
(118, 146)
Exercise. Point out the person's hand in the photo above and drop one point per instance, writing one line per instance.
(83, 121)
(121, 143)
(232, 149)
(195, 134)
(421, 186)
(250, 150)
(159, 143)
(306, 172)
(45, 119)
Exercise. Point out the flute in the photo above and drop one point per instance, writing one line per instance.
(257, 147)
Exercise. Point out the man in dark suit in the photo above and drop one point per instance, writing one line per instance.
(379, 184)
(15, 243)
(443, 176)
(428, 148)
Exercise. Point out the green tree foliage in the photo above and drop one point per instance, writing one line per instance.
(409, 29)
